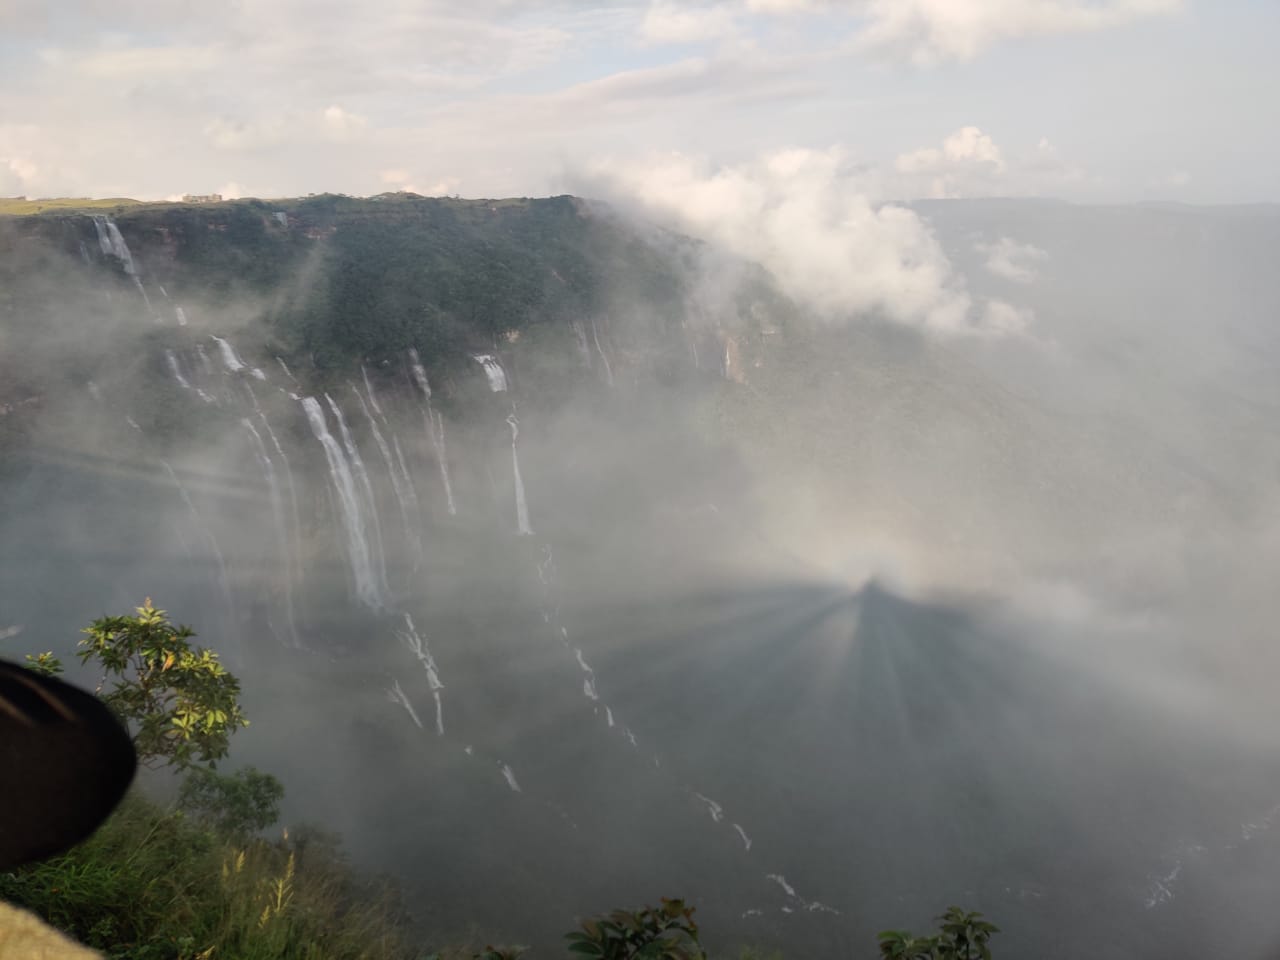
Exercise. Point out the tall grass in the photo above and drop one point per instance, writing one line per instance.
(153, 885)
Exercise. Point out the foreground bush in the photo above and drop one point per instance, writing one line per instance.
(154, 885)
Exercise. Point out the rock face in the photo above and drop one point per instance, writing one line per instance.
(555, 588)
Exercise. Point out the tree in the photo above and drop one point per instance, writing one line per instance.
(237, 805)
(665, 933)
(180, 703)
(963, 936)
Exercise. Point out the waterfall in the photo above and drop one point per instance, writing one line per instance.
(368, 586)
(181, 316)
(120, 249)
(418, 645)
(510, 778)
(293, 497)
(419, 373)
(175, 367)
(172, 360)
(589, 681)
(104, 241)
(368, 388)
(230, 359)
(204, 531)
(277, 515)
(371, 501)
(435, 427)
(403, 487)
(285, 368)
(397, 695)
(112, 244)
(713, 808)
(493, 370)
(522, 507)
(608, 370)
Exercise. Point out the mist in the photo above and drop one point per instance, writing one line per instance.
(737, 536)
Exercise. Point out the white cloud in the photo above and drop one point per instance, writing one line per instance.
(925, 32)
(969, 163)
(1012, 260)
(674, 23)
(808, 217)
(965, 157)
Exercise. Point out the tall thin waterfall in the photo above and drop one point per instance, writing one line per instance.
(608, 370)
(112, 243)
(435, 427)
(405, 496)
(493, 371)
(370, 500)
(368, 585)
(230, 359)
(277, 516)
(293, 497)
(175, 367)
(418, 645)
(522, 506)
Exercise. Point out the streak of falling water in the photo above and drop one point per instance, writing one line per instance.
(368, 587)
(522, 506)
(370, 501)
(277, 516)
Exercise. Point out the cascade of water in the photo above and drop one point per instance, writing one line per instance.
(436, 429)
(370, 501)
(584, 350)
(368, 585)
(175, 367)
(397, 695)
(493, 370)
(293, 497)
(172, 360)
(104, 241)
(589, 681)
(510, 778)
(419, 373)
(230, 359)
(204, 531)
(120, 249)
(112, 244)
(713, 808)
(368, 388)
(746, 841)
(403, 487)
(181, 316)
(608, 370)
(418, 645)
(285, 368)
(522, 507)
(277, 515)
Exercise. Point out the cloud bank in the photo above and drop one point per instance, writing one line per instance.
(811, 218)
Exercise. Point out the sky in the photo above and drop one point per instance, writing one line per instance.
(1083, 100)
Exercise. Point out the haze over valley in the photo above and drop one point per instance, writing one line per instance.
(817, 460)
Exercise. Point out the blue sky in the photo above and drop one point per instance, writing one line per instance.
(1087, 100)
